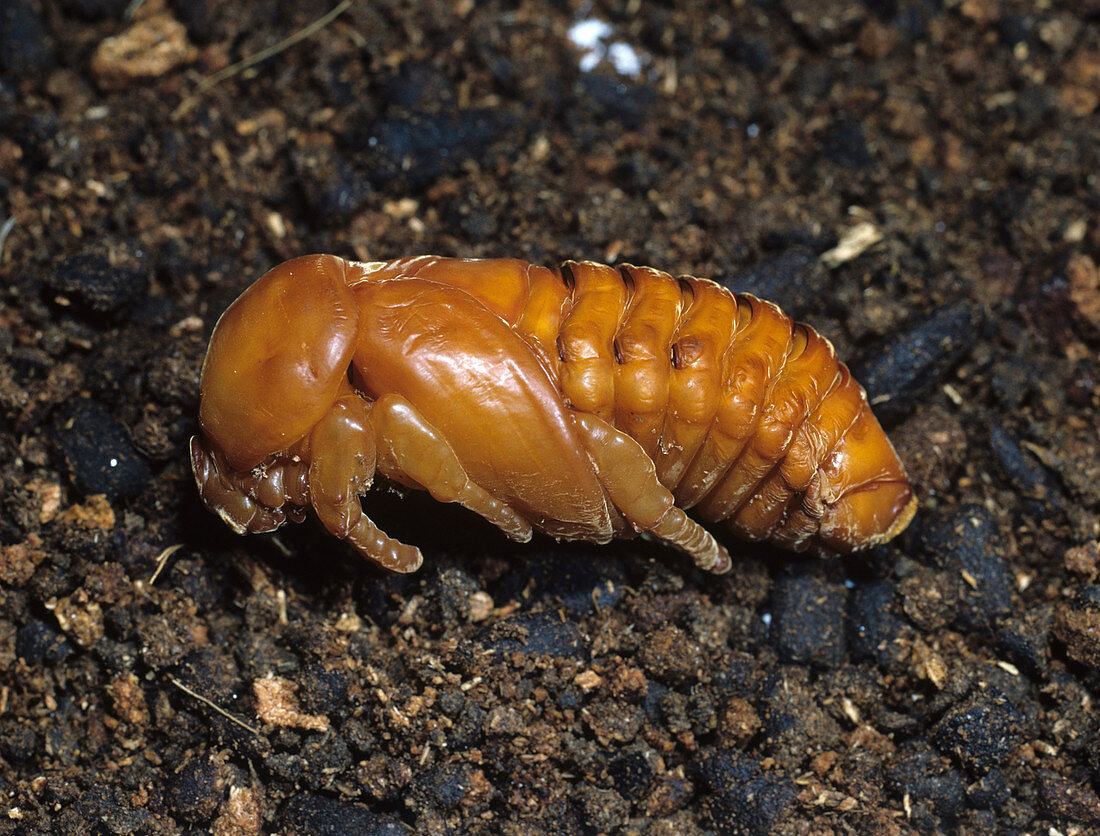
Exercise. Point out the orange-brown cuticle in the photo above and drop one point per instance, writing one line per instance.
(585, 401)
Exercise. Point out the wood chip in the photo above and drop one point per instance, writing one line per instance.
(277, 705)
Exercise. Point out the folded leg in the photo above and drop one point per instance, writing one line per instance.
(630, 479)
(232, 494)
(411, 450)
(342, 467)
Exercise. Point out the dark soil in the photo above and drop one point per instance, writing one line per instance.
(948, 682)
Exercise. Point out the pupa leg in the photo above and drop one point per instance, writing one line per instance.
(630, 479)
(342, 463)
(411, 449)
(226, 492)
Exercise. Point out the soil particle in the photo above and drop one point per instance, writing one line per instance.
(1084, 288)
(1029, 476)
(990, 791)
(327, 756)
(318, 815)
(873, 625)
(1084, 560)
(633, 772)
(384, 778)
(628, 683)
(904, 370)
(80, 618)
(451, 786)
(796, 725)
(929, 598)
(670, 794)
(92, 285)
(504, 720)
(333, 189)
(322, 691)
(671, 656)
(982, 732)
(965, 542)
(19, 560)
(7, 643)
(101, 456)
(25, 44)
(20, 743)
(582, 586)
(129, 700)
(541, 634)
(112, 808)
(933, 445)
(794, 280)
(808, 625)
(1025, 640)
(195, 792)
(277, 705)
(740, 797)
(451, 592)
(1077, 625)
(241, 814)
(936, 793)
(737, 724)
(613, 722)
(415, 151)
(37, 641)
(162, 645)
(1065, 800)
(150, 47)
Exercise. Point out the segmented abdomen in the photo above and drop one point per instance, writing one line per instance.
(747, 415)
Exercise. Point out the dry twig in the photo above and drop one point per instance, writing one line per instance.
(214, 706)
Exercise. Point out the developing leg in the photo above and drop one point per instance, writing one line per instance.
(409, 448)
(342, 466)
(231, 494)
(630, 479)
